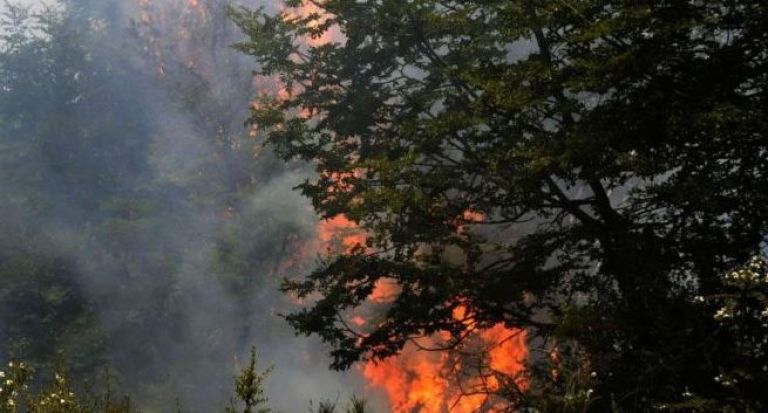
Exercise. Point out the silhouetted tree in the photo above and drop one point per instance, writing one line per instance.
(581, 169)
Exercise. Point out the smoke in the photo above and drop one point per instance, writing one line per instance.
(141, 173)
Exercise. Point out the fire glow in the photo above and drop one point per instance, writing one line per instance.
(433, 382)
(416, 380)
(436, 381)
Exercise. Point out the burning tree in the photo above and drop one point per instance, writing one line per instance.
(616, 152)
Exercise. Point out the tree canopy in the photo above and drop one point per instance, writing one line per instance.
(586, 170)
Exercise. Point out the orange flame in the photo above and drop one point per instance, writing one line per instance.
(270, 89)
(416, 380)
(437, 381)
(319, 17)
(340, 230)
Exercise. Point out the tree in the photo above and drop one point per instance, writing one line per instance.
(114, 179)
(45, 315)
(44, 311)
(616, 152)
(249, 388)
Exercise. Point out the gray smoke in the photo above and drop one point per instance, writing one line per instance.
(182, 250)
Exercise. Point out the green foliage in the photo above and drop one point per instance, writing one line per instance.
(617, 151)
(44, 314)
(14, 383)
(563, 381)
(249, 389)
(742, 314)
(19, 394)
(60, 395)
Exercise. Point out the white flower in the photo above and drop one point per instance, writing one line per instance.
(2, 374)
(723, 314)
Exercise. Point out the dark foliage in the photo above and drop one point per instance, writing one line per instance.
(616, 150)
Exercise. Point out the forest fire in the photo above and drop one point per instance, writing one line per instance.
(435, 382)
(419, 380)
(152, 15)
(424, 381)
(317, 18)
(415, 380)
(485, 207)
(340, 231)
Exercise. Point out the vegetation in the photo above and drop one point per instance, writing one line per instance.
(50, 314)
(249, 388)
(585, 170)
(59, 396)
(135, 230)
(593, 173)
